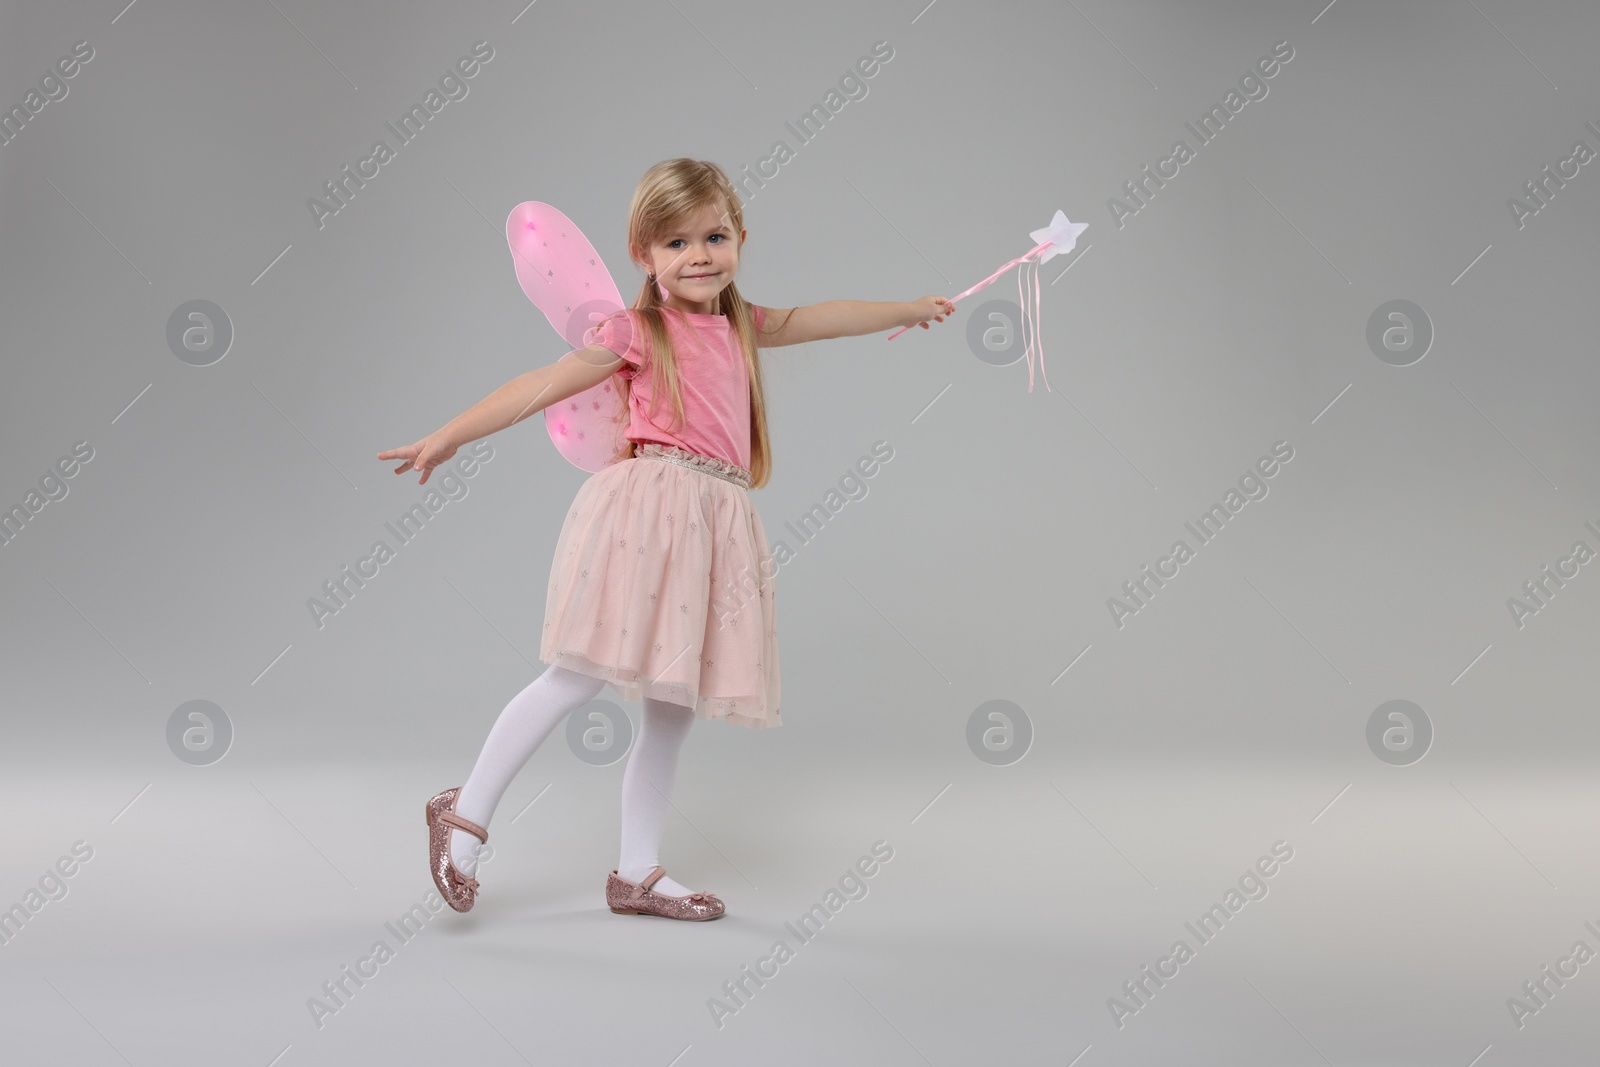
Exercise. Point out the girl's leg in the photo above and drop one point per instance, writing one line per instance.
(516, 734)
(646, 787)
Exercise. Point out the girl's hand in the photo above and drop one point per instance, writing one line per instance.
(423, 456)
(929, 307)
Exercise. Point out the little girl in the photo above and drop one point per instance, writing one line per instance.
(654, 535)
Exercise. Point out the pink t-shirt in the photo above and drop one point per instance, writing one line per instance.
(712, 379)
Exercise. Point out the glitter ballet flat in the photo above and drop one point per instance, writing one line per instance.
(459, 890)
(637, 898)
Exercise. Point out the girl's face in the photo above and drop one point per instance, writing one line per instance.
(696, 260)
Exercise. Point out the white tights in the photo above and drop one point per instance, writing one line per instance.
(646, 781)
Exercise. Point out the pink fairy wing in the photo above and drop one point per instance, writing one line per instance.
(567, 280)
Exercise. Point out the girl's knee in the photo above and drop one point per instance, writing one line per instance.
(666, 713)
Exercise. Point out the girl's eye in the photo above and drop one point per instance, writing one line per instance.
(675, 240)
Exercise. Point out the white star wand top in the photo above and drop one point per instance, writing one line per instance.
(1058, 237)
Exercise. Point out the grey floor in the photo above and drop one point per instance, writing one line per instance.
(1016, 903)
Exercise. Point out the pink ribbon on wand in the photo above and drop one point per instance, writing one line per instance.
(1060, 236)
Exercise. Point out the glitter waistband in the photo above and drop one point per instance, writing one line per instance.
(720, 468)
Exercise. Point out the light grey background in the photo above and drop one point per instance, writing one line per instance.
(1228, 314)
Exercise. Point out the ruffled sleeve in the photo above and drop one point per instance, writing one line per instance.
(621, 335)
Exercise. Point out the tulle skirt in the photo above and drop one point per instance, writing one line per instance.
(662, 585)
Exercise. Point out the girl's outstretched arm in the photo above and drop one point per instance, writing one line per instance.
(851, 318)
(514, 401)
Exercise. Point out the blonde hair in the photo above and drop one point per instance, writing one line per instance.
(668, 195)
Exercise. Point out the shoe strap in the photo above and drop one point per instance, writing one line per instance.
(450, 818)
(652, 878)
